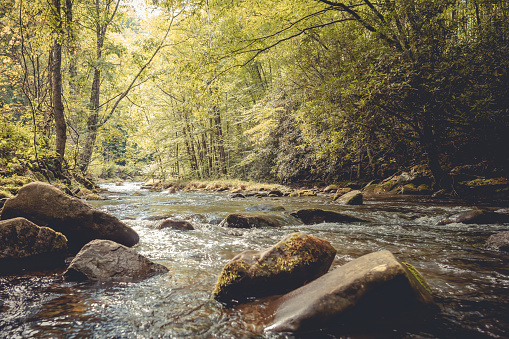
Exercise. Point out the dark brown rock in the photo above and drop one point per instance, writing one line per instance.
(237, 220)
(373, 287)
(47, 206)
(105, 260)
(475, 216)
(498, 242)
(276, 193)
(292, 262)
(180, 225)
(316, 216)
(23, 244)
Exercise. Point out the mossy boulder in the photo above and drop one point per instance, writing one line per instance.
(47, 206)
(295, 260)
(24, 244)
(351, 198)
(238, 220)
(375, 288)
(316, 216)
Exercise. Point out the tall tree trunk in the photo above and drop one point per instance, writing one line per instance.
(429, 145)
(56, 82)
(220, 143)
(93, 118)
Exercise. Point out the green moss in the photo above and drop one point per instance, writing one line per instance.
(487, 182)
(5, 194)
(417, 276)
(294, 252)
(230, 274)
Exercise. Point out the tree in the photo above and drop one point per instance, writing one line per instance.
(56, 83)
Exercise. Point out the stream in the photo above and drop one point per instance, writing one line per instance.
(470, 284)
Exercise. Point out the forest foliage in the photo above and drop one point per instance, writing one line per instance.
(287, 91)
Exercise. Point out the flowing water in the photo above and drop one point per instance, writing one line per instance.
(470, 284)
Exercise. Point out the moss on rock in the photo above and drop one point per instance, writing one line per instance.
(292, 262)
(417, 275)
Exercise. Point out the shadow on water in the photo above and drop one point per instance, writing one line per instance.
(469, 282)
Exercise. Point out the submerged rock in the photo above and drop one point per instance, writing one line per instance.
(350, 198)
(292, 262)
(37, 247)
(373, 287)
(475, 216)
(316, 216)
(238, 220)
(180, 225)
(105, 260)
(498, 242)
(264, 207)
(46, 205)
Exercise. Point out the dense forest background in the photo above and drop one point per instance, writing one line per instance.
(287, 91)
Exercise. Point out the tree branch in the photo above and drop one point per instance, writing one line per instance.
(131, 85)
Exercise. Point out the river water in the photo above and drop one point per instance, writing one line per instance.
(470, 284)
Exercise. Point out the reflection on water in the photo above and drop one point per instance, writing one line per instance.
(470, 283)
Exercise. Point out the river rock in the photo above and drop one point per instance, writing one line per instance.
(316, 216)
(350, 198)
(238, 220)
(46, 205)
(264, 207)
(24, 244)
(275, 193)
(180, 225)
(106, 260)
(292, 262)
(498, 242)
(373, 287)
(475, 216)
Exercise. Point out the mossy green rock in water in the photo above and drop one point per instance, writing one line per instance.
(23, 243)
(292, 262)
(375, 288)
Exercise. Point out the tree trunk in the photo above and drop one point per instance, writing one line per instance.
(93, 118)
(429, 145)
(56, 82)
(220, 144)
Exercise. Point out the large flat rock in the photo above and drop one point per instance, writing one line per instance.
(374, 286)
